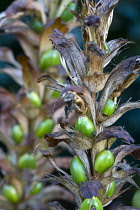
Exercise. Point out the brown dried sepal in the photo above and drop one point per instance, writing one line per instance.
(54, 138)
(117, 76)
(71, 55)
(96, 82)
(45, 43)
(114, 131)
(22, 7)
(122, 109)
(95, 58)
(90, 188)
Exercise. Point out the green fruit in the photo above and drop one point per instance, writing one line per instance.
(17, 133)
(136, 199)
(49, 58)
(27, 161)
(36, 25)
(94, 202)
(77, 170)
(37, 188)
(111, 189)
(85, 126)
(55, 94)
(107, 50)
(34, 98)
(67, 15)
(109, 107)
(45, 127)
(10, 193)
(103, 161)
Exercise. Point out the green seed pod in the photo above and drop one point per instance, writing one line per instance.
(34, 98)
(94, 202)
(109, 107)
(55, 94)
(27, 161)
(111, 189)
(10, 193)
(36, 189)
(67, 15)
(17, 133)
(44, 127)
(77, 170)
(103, 161)
(107, 50)
(49, 58)
(85, 126)
(36, 25)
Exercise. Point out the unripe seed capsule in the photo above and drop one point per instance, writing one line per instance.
(103, 161)
(77, 170)
(17, 133)
(85, 126)
(49, 58)
(36, 189)
(109, 107)
(94, 202)
(44, 127)
(111, 189)
(27, 161)
(34, 98)
(10, 193)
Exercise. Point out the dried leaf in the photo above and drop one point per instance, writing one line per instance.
(45, 43)
(122, 109)
(136, 154)
(54, 138)
(124, 150)
(123, 175)
(114, 47)
(15, 74)
(117, 76)
(90, 188)
(30, 74)
(7, 55)
(63, 122)
(114, 131)
(104, 9)
(81, 142)
(71, 56)
(54, 84)
(22, 7)
(96, 82)
(128, 168)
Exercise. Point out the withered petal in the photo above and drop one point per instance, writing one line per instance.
(90, 188)
(114, 131)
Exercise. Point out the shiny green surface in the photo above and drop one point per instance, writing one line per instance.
(109, 107)
(111, 189)
(27, 161)
(103, 161)
(94, 202)
(85, 126)
(45, 127)
(34, 98)
(17, 133)
(49, 58)
(10, 193)
(77, 170)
